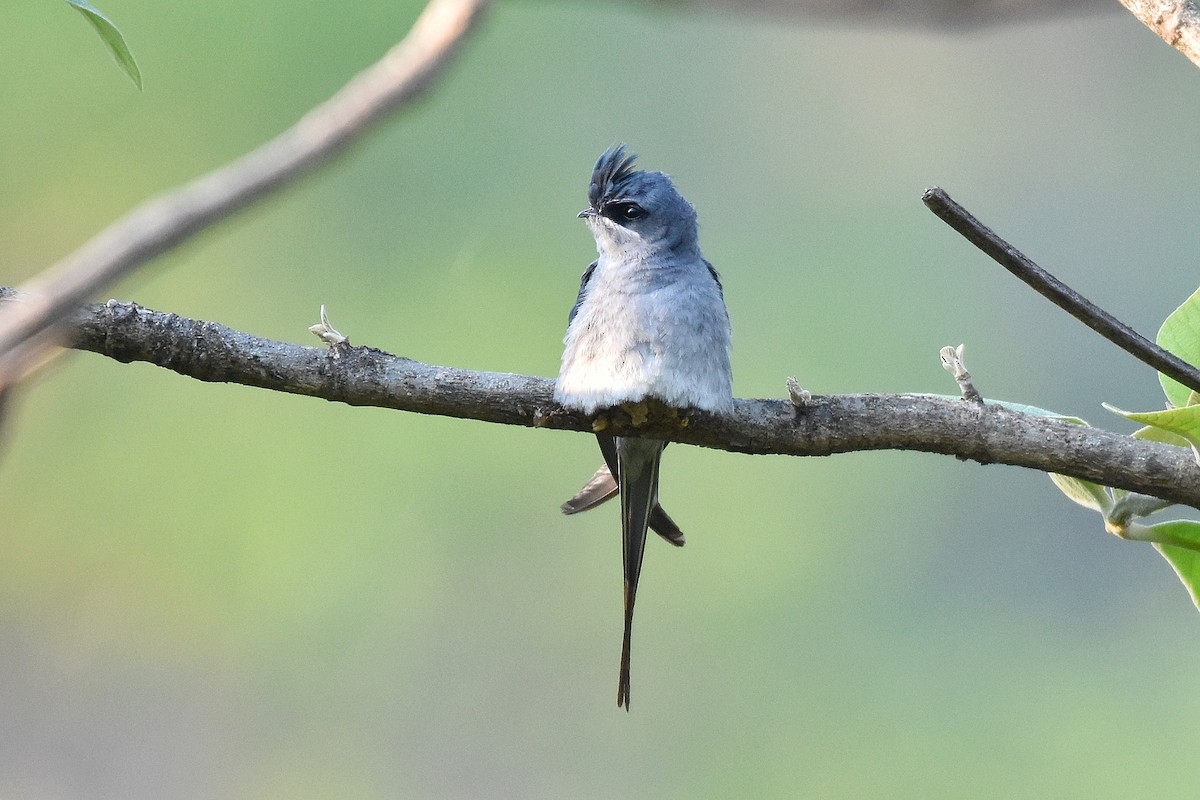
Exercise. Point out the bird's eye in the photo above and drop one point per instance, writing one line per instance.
(630, 211)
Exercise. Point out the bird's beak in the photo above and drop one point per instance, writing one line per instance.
(587, 212)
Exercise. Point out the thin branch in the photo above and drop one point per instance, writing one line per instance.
(1058, 292)
(165, 221)
(364, 376)
(1177, 22)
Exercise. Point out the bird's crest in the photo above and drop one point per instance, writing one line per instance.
(612, 169)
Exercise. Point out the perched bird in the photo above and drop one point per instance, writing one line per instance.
(650, 322)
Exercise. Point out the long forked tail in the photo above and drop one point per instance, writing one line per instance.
(637, 475)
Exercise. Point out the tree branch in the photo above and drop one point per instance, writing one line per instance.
(1058, 292)
(163, 222)
(364, 376)
(1177, 22)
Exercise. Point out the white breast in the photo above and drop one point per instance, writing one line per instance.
(638, 338)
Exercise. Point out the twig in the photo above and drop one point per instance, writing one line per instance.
(163, 222)
(328, 334)
(799, 396)
(364, 376)
(1058, 292)
(952, 362)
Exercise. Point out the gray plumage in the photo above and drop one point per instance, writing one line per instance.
(649, 322)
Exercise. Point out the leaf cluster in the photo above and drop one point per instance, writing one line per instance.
(1178, 424)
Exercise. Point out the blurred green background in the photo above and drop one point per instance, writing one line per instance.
(215, 591)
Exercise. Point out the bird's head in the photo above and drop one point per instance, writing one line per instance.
(636, 212)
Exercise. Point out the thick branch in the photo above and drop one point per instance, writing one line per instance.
(824, 425)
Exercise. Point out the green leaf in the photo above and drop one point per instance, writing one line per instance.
(1018, 407)
(1037, 412)
(1129, 505)
(1153, 434)
(1180, 334)
(1178, 542)
(1085, 493)
(112, 37)
(1182, 534)
(1184, 422)
(1186, 564)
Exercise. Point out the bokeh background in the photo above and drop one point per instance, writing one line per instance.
(215, 591)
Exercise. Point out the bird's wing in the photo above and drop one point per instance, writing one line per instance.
(583, 282)
(715, 276)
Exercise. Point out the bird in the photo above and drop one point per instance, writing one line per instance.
(650, 322)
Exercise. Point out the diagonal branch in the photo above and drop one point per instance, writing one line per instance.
(1058, 292)
(165, 221)
(365, 376)
(1177, 22)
